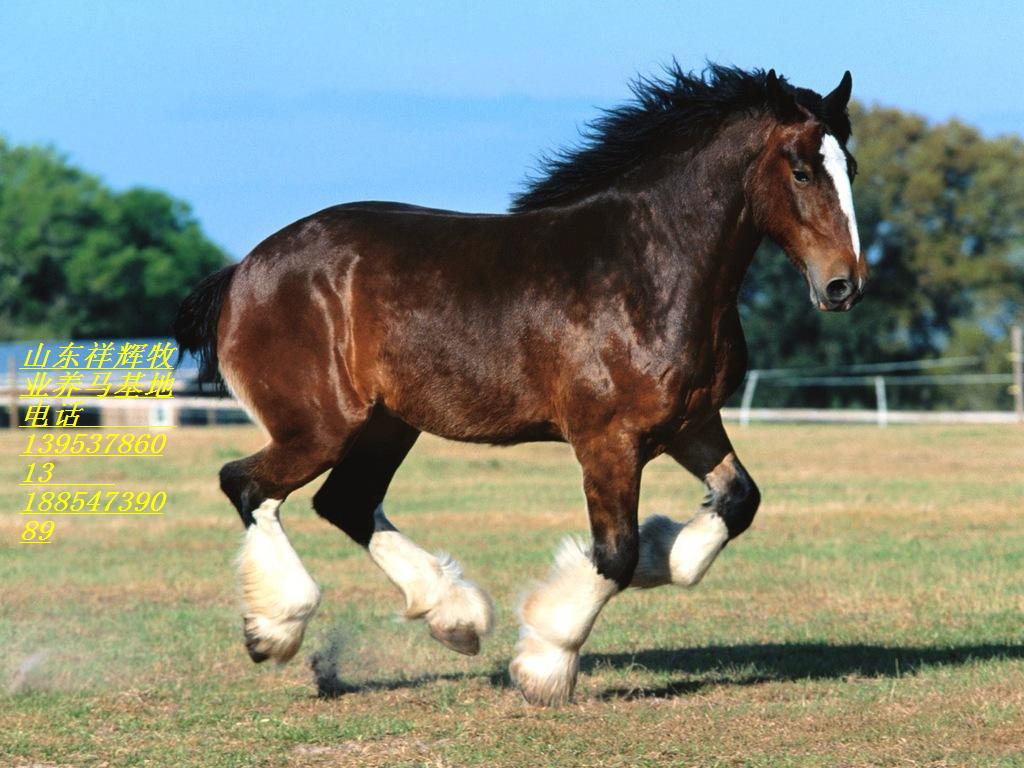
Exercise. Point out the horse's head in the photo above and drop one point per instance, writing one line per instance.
(799, 191)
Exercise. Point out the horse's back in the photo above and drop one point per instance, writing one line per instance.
(419, 309)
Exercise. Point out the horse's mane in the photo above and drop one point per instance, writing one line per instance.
(683, 106)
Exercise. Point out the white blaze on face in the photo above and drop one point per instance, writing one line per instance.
(835, 166)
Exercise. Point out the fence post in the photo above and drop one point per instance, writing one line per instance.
(1017, 336)
(883, 406)
(748, 397)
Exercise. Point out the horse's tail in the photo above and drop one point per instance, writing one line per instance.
(195, 328)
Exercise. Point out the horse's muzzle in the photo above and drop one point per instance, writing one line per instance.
(839, 295)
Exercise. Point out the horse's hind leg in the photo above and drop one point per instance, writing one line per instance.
(278, 593)
(456, 611)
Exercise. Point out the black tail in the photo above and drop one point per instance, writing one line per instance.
(195, 328)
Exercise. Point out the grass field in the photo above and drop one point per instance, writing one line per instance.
(871, 616)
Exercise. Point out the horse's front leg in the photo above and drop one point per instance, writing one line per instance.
(681, 553)
(558, 615)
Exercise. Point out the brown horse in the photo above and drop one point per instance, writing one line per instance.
(601, 311)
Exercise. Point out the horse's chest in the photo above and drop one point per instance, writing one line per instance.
(714, 369)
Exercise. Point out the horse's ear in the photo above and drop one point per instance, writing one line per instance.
(835, 103)
(781, 97)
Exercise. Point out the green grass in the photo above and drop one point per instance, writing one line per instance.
(871, 616)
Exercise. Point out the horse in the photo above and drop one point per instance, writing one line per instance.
(600, 310)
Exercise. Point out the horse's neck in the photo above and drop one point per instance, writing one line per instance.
(699, 210)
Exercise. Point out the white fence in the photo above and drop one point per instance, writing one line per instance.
(863, 416)
(880, 377)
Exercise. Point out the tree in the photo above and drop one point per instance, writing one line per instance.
(80, 260)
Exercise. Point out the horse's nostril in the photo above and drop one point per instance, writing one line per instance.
(839, 289)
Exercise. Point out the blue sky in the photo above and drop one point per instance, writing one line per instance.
(258, 114)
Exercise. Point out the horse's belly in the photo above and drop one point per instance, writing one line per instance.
(456, 421)
(469, 406)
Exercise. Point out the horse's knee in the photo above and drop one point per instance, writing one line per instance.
(617, 559)
(737, 503)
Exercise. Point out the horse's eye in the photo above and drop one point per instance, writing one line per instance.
(801, 176)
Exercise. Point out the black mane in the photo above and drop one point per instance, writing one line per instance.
(678, 105)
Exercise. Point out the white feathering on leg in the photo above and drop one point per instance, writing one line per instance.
(678, 553)
(696, 548)
(457, 611)
(278, 594)
(556, 619)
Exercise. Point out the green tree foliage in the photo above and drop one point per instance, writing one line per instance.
(80, 260)
(941, 216)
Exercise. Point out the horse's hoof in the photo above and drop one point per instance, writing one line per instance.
(263, 644)
(462, 613)
(253, 642)
(257, 656)
(461, 639)
(544, 673)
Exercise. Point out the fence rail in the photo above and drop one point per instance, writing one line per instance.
(873, 375)
(866, 416)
